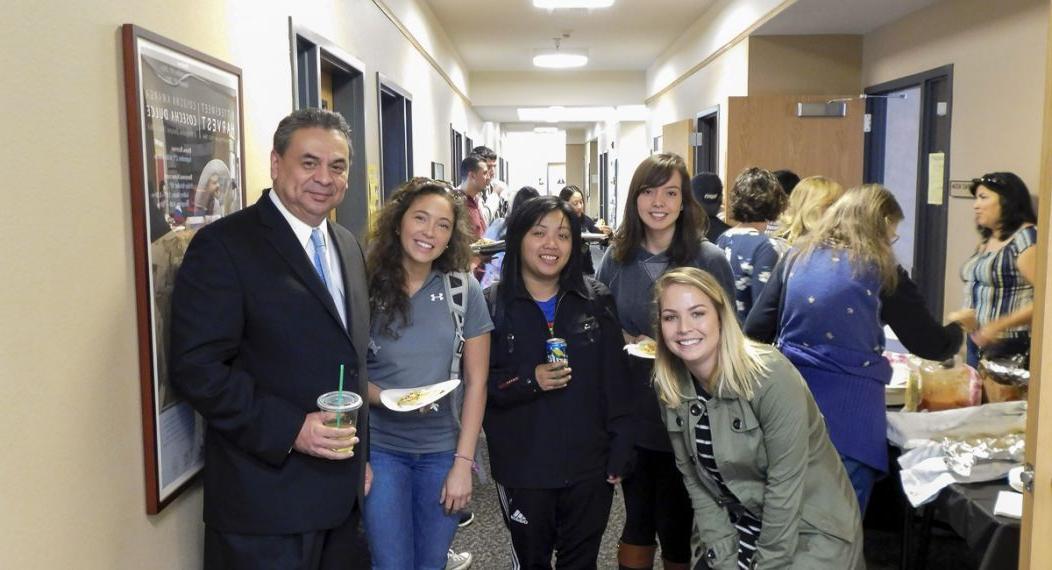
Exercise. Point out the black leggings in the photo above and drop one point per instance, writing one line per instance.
(656, 502)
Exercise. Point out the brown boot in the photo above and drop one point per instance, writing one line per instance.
(669, 565)
(635, 557)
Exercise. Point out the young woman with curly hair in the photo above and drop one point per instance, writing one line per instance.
(422, 462)
(756, 199)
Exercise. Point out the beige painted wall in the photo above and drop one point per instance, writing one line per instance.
(72, 479)
(724, 22)
(998, 53)
(575, 168)
(804, 65)
(726, 76)
(566, 87)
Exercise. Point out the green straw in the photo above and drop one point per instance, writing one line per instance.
(340, 397)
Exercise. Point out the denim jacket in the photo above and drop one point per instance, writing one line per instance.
(775, 456)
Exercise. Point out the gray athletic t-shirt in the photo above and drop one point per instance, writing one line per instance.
(421, 355)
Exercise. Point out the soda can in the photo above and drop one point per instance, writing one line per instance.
(557, 350)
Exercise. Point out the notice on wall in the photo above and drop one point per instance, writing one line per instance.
(936, 175)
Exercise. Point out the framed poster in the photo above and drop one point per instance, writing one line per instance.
(185, 147)
(438, 171)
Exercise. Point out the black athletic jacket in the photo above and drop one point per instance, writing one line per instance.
(548, 440)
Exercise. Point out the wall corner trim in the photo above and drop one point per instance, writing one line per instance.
(382, 6)
(722, 49)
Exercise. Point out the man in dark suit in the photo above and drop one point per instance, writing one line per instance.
(268, 303)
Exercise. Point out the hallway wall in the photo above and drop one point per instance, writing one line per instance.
(73, 491)
(998, 56)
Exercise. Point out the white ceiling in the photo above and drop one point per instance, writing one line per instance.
(502, 35)
(839, 16)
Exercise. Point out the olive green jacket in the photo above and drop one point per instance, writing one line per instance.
(775, 456)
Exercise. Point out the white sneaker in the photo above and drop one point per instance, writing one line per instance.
(458, 561)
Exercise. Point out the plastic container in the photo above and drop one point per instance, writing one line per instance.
(948, 385)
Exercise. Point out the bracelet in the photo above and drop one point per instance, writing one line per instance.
(474, 465)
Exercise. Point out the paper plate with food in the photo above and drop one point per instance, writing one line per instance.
(409, 399)
(487, 246)
(644, 349)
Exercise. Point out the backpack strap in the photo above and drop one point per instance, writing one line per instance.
(456, 287)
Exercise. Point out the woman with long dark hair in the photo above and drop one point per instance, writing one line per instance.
(999, 277)
(559, 426)
(663, 228)
(422, 462)
(573, 196)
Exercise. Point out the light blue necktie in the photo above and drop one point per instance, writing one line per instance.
(318, 242)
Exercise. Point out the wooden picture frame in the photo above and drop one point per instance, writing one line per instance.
(185, 156)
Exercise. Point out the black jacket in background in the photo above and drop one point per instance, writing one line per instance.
(549, 440)
(716, 228)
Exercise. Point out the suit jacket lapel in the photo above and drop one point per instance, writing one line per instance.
(352, 267)
(282, 238)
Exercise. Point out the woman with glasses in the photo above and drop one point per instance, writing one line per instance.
(663, 228)
(825, 306)
(999, 277)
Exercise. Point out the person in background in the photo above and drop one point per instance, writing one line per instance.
(422, 462)
(268, 306)
(756, 199)
(474, 175)
(766, 485)
(708, 191)
(496, 232)
(496, 203)
(811, 198)
(825, 306)
(999, 277)
(560, 433)
(663, 228)
(788, 181)
(573, 196)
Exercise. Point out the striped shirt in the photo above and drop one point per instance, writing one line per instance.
(748, 526)
(994, 287)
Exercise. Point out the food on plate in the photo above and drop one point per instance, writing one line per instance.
(412, 397)
(648, 347)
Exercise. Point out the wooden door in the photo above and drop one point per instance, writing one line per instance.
(764, 131)
(675, 137)
(1035, 549)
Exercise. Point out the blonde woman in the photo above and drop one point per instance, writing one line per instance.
(826, 304)
(767, 487)
(811, 198)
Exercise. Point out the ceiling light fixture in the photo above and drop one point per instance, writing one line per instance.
(560, 58)
(569, 4)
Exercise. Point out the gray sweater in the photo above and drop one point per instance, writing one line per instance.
(631, 285)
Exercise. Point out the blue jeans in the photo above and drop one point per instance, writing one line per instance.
(404, 520)
(862, 477)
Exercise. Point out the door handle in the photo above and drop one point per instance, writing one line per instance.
(1027, 477)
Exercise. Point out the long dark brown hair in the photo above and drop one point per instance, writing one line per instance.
(388, 301)
(691, 225)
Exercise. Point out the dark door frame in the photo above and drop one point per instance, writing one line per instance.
(384, 86)
(307, 60)
(929, 253)
(714, 142)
